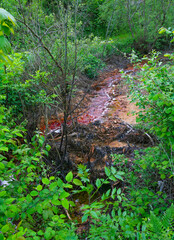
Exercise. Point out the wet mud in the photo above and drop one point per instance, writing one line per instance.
(102, 125)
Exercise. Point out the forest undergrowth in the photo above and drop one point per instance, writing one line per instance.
(134, 197)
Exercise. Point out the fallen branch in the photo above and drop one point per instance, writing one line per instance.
(132, 129)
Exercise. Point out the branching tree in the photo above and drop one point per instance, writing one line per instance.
(55, 47)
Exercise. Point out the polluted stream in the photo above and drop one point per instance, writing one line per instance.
(104, 128)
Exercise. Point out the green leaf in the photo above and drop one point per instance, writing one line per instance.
(94, 214)
(119, 191)
(98, 183)
(2, 166)
(165, 162)
(155, 97)
(2, 193)
(163, 176)
(69, 177)
(20, 238)
(47, 235)
(18, 134)
(162, 30)
(46, 214)
(112, 178)
(52, 178)
(84, 218)
(4, 15)
(64, 194)
(5, 46)
(56, 202)
(55, 218)
(40, 233)
(3, 149)
(34, 193)
(48, 147)
(53, 185)
(29, 198)
(45, 181)
(119, 177)
(107, 171)
(77, 182)
(1, 236)
(45, 152)
(5, 228)
(65, 203)
(39, 187)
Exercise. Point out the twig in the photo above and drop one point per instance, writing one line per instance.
(132, 129)
(67, 213)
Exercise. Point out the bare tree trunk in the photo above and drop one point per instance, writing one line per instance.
(108, 27)
(130, 18)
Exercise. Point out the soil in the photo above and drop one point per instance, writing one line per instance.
(103, 123)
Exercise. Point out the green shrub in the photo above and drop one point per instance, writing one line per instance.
(92, 65)
(154, 94)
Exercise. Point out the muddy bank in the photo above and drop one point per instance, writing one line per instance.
(102, 125)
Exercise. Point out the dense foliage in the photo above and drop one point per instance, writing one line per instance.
(55, 42)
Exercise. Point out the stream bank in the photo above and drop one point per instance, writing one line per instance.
(102, 125)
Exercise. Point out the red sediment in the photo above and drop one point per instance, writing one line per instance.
(100, 104)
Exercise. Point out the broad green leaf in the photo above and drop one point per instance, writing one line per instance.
(9, 200)
(163, 176)
(162, 30)
(29, 198)
(119, 177)
(2, 166)
(39, 187)
(56, 218)
(69, 177)
(94, 214)
(52, 178)
(53, 185)
(65, 203)
(40, 233)
(84, 218)
(5, 228)
(77, 182)
(119, 191)
(2, 193)
(112, 178)
(98, 183)
(46, 214)
(34, 193)
(56, 202)
(48, 147)
(3, 149)
(47, 235)
(6, 15)
(107, 171)
(5, 46)
(45, 181)
(64, 194)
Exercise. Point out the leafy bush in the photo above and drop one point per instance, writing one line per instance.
(92, 65)
(154, 94)
(148, 180)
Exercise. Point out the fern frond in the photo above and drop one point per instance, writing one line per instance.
(163, 228)
(156, 225)
(168, 218)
